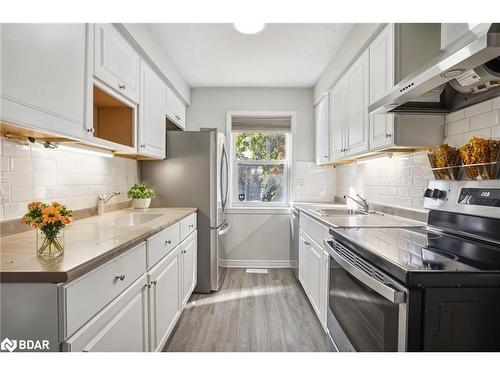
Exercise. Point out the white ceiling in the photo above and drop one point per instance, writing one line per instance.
(282, 55)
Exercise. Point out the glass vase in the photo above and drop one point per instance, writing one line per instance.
(49, 246)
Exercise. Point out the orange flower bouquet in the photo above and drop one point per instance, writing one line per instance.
(49, 220)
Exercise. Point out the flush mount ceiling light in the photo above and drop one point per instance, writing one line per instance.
(249, 27)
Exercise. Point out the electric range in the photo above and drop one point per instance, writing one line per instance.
(421, 289)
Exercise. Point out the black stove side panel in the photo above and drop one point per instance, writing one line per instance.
(461, 319)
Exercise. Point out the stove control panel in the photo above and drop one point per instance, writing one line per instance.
(480, 197)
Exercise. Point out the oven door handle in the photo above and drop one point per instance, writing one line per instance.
(393, 295)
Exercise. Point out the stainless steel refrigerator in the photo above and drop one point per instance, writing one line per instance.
(195, 174)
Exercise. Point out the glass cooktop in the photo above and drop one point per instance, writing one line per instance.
(423, 250)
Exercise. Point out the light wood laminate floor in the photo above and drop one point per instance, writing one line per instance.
(251, 312)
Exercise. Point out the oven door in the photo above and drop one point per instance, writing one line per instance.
(367, 309)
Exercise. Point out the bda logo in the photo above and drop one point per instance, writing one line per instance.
(8, 344)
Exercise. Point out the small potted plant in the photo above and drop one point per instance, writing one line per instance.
(141, 195)
(49, 220)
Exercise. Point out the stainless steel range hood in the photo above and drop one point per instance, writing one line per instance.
(465, 73)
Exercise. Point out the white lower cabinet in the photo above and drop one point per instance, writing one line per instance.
(164, 305)
(121, 327)
(188, 258)
(132, 306)
(313, 268)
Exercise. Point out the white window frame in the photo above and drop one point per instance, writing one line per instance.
(288, 163)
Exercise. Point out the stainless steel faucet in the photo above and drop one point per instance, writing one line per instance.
(103, 199)
(365, 207)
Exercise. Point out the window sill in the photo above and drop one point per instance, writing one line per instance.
(275, 210)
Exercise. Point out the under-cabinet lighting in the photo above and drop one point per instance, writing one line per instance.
(82, 149)
(249, 27)
(382, 157)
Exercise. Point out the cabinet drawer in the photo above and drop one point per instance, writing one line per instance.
(161, 244)
(317, 231)
(188, 225)
(120, 326)
(86, 296)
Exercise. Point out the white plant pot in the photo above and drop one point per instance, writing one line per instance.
(141, 203)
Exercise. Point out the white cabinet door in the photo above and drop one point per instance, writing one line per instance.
(176, 110)
(189, 251)
(43, 77)
(322, 131)
(337, 122)
(381, 81)
(115, 62)
(164, 298)
(303, 246)
(356, 106)
(315, 279)
(152, 126)
(122, 326)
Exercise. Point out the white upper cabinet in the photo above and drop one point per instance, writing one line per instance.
(356, 106)
(176, 110)
(349, 125)
(43, 77)
(322, 131)
(152, 121)
(116, 63)
(381, 81)
(337, 122)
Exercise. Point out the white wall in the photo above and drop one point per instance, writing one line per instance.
(30, 172)
(261, 238)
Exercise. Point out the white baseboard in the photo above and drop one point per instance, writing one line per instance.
(235, 263)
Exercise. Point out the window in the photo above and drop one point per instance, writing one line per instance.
(260, 156)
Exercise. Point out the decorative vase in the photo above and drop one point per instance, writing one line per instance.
(49, 246)
(141, 203)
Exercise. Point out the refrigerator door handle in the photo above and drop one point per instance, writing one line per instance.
(224, 229)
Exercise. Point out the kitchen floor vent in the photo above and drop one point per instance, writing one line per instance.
(257, 270)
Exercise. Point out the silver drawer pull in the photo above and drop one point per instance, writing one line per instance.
(121, 86)
(191, 225)
(168, 242)
(307, 243)
(120, 277)
(154, 282)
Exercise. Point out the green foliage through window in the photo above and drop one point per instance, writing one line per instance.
(260, 146)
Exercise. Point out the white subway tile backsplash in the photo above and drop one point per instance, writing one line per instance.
(479, 108)
(33, 172)
(15, 149)
(457, 127)
(484, 120)
(20, 194)
(496, 103)
(20, 165)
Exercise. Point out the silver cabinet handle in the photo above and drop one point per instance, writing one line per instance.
(168, 242)
(307, 243)
(121, 86)
(191, 225)
(387, 135)
(326, 157)
(154, 282)
(91, 130)
(120, 277)
(143, 146)
(150, 284)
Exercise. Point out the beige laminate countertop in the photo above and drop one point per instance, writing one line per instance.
(88, 243)
(372, 220)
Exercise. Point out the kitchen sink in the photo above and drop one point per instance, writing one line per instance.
(338, 212)
(130, 220)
